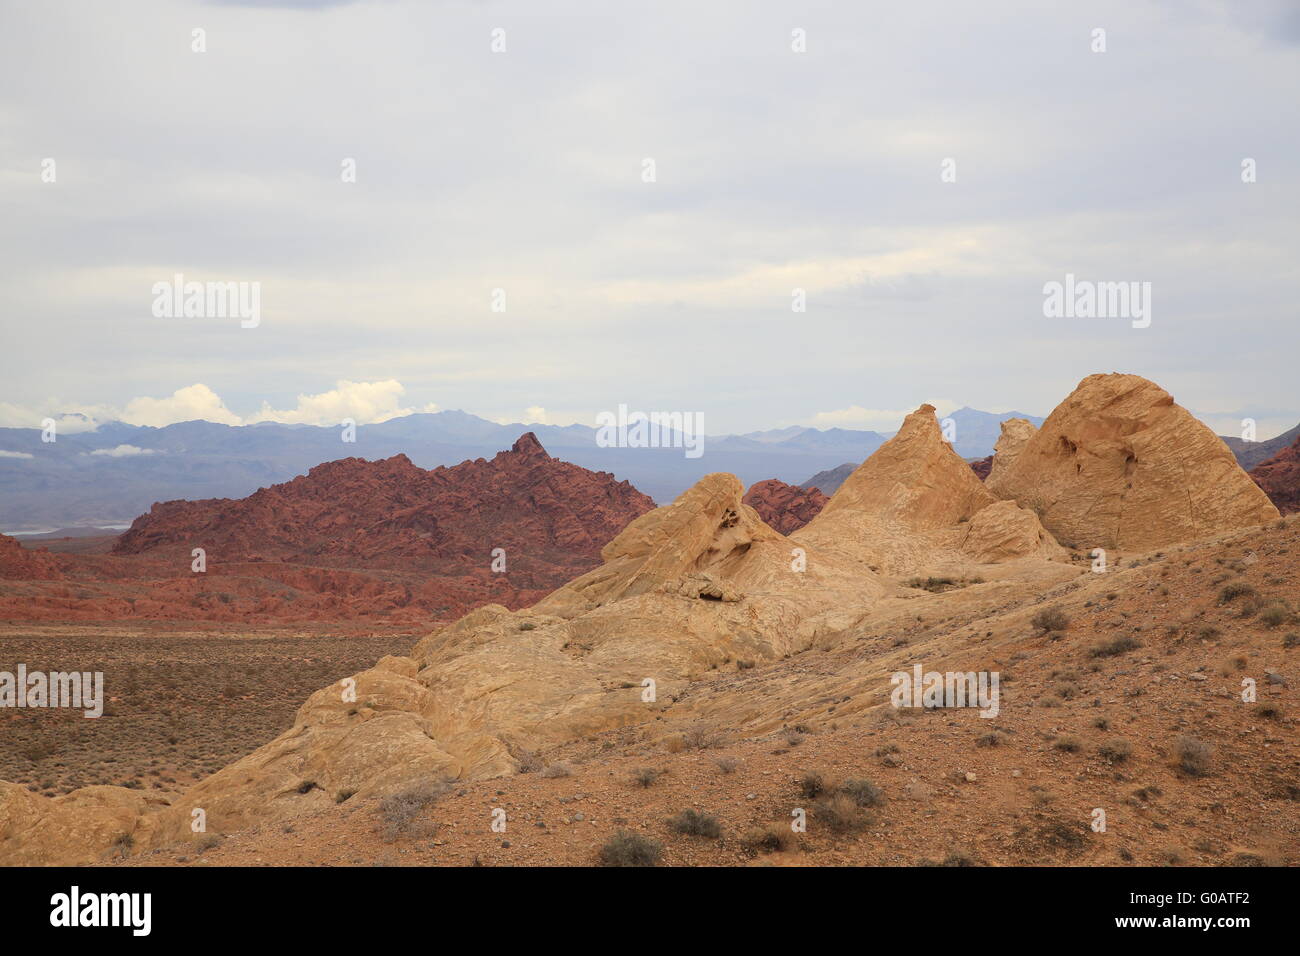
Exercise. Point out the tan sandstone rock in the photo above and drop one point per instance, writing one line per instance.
(1016, 433)
(1119, 465)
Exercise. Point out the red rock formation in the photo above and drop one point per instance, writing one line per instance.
(982, 467)
(550, 517)
(1279, 477)
(22, 564)
(784, 507)
(350, 540)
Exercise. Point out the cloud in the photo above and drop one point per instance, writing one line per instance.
(69, 418)
(366, 403)
(15, 454)
(875, 419)
(124, 451)
(184, 405)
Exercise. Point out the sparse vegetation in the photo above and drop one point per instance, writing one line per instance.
(1050, 619)
(1234, 590)
(695, 823)
(1194, 756)
(646, 776)
(1115, 646)
(400, 812)
(1116, 750)
(625, 848)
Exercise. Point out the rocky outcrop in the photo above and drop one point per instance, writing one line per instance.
(23, 564)
(1119, 465)
(982, 467)
(829, 481)
(1016, 433)
(915, 480)
(914, 507)
(784, 507)
(550, 518)
(1279, 477)
(1005, 531)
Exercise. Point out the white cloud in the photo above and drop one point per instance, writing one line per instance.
(15, 454)
(364, 402)
(124, 451)
(69, 418)
(184, 405)
(876, 419)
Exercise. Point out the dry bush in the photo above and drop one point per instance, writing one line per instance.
(695, 823)
(1050, 619)
(773, 838)
(400, 812)
(1115, 646)
(625, 848)
(1194, 756)
(1116, 750)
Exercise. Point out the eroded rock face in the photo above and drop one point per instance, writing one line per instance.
(982, 467)
(1016, 433)
(914, 480)
(1005, 531)
(1279, 477)
(1119, 465)
(784, 507)
(19, 563)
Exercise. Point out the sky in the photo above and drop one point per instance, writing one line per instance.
(919, 170)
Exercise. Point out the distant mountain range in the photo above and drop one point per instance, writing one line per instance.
(112, 474)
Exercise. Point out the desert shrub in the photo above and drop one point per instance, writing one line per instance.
(557, 769)
(400, 811)
(813, 785)
(1116, 750)
(773, 838)
(1194, 756)
(1268, 710)
(1050, 619)
(862, 792)
(646, 776)
(703, 738)
(1115, 646)
(529, 762)
(992, 739)
(1291, 640)
(839, 814)
(1275, 614)
(1070, 745)
(625, 848)
(307, 786)
(695, 823)
(1234, 590)
(726, 764)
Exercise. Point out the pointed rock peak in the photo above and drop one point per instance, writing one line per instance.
(529, 445)
(1016, 433)
(1119, 465)
(914, 478)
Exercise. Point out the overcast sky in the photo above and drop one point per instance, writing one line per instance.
(522, 170)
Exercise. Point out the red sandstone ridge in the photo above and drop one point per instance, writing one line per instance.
(550, 517)
(784, 507)
(1279, 477)
(19, 563)
(379, 542)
